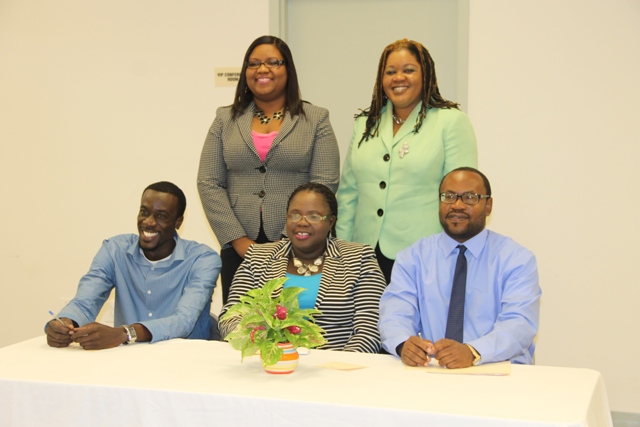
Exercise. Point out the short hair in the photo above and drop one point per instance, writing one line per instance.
(485, 180)
(170, 188)
(243, 97)
(326, 194)
(430, 98)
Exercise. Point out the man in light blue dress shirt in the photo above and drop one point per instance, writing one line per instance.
(163, 284)
(502, 298)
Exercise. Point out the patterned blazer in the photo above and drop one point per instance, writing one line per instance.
(235, 185)
(349, 294)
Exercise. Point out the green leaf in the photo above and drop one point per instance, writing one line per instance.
(272, 285)
(238, 341)
(249, 351)
(253, 318)
(290, 295)
(270, 353)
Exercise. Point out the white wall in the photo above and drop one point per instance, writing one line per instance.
(553, 96)
(97, 100)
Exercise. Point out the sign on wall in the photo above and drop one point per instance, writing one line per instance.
(227, 76)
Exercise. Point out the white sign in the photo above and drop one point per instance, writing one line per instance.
(227, 76)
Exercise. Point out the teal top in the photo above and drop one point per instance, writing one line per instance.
(310, 284)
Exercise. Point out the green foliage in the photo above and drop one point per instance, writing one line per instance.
(261, 329)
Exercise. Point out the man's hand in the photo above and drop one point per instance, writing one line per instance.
(96, 336)
(416, 351)
(58, 335)
(452, 354)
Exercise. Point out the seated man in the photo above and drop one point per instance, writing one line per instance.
(163, 284)
(433, 308)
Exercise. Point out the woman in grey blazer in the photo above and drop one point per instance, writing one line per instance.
(341, 279)
(258, 150)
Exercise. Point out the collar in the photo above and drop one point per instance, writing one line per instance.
(474, 245)
(178, 254)
(386, 124)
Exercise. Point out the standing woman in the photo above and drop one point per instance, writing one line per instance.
(258, 150)
(402, 146)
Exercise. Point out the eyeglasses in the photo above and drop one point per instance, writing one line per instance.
(467, 198)
(311, 218)
(269, 63)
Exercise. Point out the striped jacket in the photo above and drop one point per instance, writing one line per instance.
(349, 294)
(235, 185)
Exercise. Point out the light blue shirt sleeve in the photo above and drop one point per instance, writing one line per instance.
(502, 301)
(93, 290)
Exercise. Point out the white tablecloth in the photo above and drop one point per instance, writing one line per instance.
(203, 383)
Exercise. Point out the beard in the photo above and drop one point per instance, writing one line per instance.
(462, 229)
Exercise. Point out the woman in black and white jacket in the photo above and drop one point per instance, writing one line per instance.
(342, 279)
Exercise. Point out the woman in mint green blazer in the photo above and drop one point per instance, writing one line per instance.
(401, 147)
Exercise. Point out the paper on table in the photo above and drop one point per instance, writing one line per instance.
(340, 366)
(498, 369)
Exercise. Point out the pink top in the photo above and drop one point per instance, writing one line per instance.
(263, 141)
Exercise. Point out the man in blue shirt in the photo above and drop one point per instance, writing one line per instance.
(163, 284)
(501, 302)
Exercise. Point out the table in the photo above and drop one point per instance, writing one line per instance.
(203, 383)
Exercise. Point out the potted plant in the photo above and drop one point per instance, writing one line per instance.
(271, 319)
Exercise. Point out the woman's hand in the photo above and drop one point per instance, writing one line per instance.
(241, 245)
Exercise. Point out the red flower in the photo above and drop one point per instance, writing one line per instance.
(295, 330)
(253, 332)
(281, 312)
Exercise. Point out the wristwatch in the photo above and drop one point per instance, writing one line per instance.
(132, 336)
(476, 355)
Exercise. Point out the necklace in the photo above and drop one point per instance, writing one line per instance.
(397, 120)
(264, 120)
(307, 269)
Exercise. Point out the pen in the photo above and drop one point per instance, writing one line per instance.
(428, 355)
(57, 318)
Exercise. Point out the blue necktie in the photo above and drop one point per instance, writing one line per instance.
(455, 319)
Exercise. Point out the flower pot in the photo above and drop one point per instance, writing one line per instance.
(287, 363)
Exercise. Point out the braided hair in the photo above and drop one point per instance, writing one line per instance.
(431, 97)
